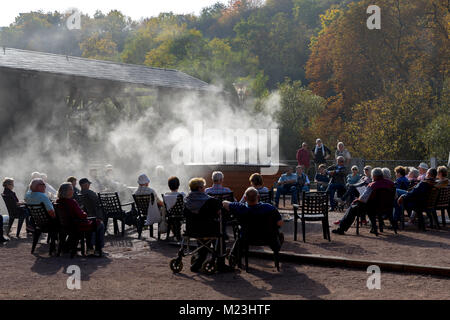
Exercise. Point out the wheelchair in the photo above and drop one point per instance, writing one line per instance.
(208, 231)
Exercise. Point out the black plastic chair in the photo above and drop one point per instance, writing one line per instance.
(379, 206)
(44, 223)
(112, 208)
(175, 217)
(229, 196)
(429, 209)
(14, 212)
(142, 203)
(443, 203)
(260, 229)
(314, 207)
(266, 197)
(68, 234)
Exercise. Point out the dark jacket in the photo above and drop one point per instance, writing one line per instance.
(77, 216)
(9, 193)
(319, 157)
(340, 175)
(92, 204)
(418, 195)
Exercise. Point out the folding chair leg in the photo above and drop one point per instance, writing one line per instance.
(52, 237)
(61, 242)
(246, 258)
(19, 226)
(151, 231)
(421, 221)
(303, 230)
(116, 226)
(295, 225)
(36, 235)
(123, 227)
(324, 232)
(83, 245)
(357, 224)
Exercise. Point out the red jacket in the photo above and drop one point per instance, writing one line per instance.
(71, 207)
(303, 157)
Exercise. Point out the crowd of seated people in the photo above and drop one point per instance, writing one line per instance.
(411, 187)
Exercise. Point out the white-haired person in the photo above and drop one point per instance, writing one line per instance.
(423, 168)
(49, 188)
(413, 177)
(387, 173)
(217, 187)
(37, 195)
(153, 213)
(79, 218)
(342, 151)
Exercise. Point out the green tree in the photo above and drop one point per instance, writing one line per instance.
(298, 109)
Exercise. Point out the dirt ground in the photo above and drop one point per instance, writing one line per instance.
(139, 269)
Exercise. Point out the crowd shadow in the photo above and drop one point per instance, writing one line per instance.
(265, 284)
(47, 265)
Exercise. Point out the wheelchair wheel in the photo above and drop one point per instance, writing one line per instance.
(209, 266)
(176, 265)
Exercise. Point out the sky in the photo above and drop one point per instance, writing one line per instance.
(135, 9)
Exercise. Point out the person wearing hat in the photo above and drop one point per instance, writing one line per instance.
(153, 213)
(90, 201)
(423, 168)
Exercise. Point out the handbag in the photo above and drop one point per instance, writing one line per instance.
(162, 226)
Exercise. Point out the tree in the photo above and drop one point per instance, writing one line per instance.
(298, 109)
(100, 47)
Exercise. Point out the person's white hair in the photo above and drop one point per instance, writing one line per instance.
(414, 172)
(386, 173)
(35, 175)
(340, 143)
(44, 176)
(355, 167)
(340, 158)
(34, 183)
(377, 172)
(217, 176)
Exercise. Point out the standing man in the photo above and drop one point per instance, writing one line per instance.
(304, 156)
(338, 174)
(320, 152)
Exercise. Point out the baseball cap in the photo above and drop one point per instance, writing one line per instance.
(84, 180)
